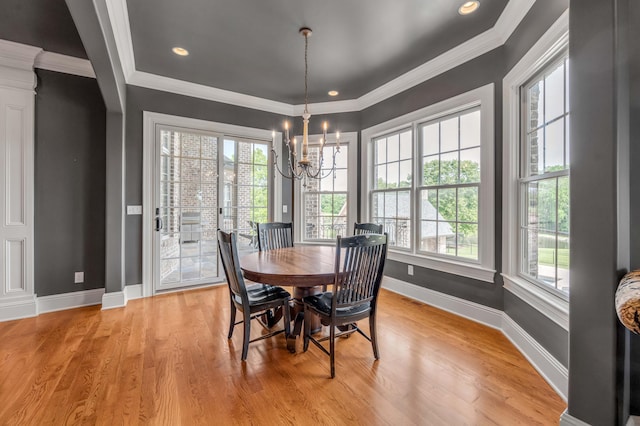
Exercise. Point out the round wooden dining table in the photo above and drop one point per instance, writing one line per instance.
(305, 268)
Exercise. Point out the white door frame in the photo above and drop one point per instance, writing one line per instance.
(150, 121)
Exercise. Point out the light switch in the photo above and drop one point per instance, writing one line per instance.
(132, 210)
(79, 277)
(410, 269)
(285, 208)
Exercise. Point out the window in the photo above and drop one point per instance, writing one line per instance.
(544, 178)
(391, 195)
(328, 205)
(535, 237)
(430, 180)
(450, 183)
(246, 188)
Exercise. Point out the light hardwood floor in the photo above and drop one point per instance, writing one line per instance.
(166, 360)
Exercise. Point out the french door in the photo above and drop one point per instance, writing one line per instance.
(204, 181)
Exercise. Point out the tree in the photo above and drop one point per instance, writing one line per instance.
(461, 206)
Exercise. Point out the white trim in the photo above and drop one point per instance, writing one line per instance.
(549, 368)
(76, 299)
(65, 64)
(116, 299)
(16, 65)
(483, 96)
(180, 87)
(349, 139)
(511, 16)
(553, 307)
(567, 419)
(633, 421)
(553, 41)
(469, 270)
(150, 121)
(119, 18)
(556, 374)
(132, 292)
(474, 311)
(18, 308)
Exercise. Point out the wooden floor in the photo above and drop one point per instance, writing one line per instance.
(166, 360)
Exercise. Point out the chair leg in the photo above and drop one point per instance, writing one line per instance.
(372, 332)
(332, 347)
(247, 334)
(233, 320)
(307, 329)
(286, 314)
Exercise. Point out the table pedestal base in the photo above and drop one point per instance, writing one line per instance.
(297, 315)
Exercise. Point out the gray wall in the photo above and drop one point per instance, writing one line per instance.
(69, 183)
(594, 254)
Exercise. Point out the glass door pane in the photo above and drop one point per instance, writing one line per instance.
(246, 189)
(188, 207)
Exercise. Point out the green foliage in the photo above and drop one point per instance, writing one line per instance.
(332, 204)
(465, 203)
(260, 191)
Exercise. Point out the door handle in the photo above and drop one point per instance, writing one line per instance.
(158, 219)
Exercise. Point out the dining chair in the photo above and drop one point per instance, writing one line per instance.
(367, 228)
(274, 235)
(359, 266)
(254, 300)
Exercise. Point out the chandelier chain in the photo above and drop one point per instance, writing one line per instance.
(306, 72)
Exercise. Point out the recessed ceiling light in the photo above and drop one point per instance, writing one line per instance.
(180, 51)
(469, 7)
(333, 93)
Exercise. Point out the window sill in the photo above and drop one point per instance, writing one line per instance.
(553, 307)
(468, 270)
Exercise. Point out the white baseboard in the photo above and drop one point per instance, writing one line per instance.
(133, 291)
(473, 311)
(24, 307)
(75, 299)
(567, 419)
(633, 421)
(549, 368)
(116, 299)
(556, 374)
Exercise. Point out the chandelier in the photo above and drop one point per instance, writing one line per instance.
(303, 169)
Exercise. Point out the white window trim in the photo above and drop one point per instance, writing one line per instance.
(150, 121)
(349, 139)
(550, 44)
(484, 269)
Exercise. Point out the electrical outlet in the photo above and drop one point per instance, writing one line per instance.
(79, 277)
(410, 269)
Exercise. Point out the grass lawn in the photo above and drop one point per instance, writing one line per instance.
(545, 257)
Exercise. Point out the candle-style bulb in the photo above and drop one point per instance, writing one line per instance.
(286, 125)
(324, 126)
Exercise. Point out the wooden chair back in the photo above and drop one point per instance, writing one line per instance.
(274, 235)
(359, 267)
(367, 228)
(229, 254)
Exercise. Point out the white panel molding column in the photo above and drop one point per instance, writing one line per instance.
(17, 104)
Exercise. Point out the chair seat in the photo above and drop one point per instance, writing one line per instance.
(322, 304)
(263, 293)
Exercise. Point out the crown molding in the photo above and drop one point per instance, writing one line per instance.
(511, 16)
(119, 18)
(16, 65)
(17, 55)
(181, 87)
(513, 13)
(66, 64)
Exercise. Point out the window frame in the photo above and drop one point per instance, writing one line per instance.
(349, 139)
(547, 50)
(483, 97)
